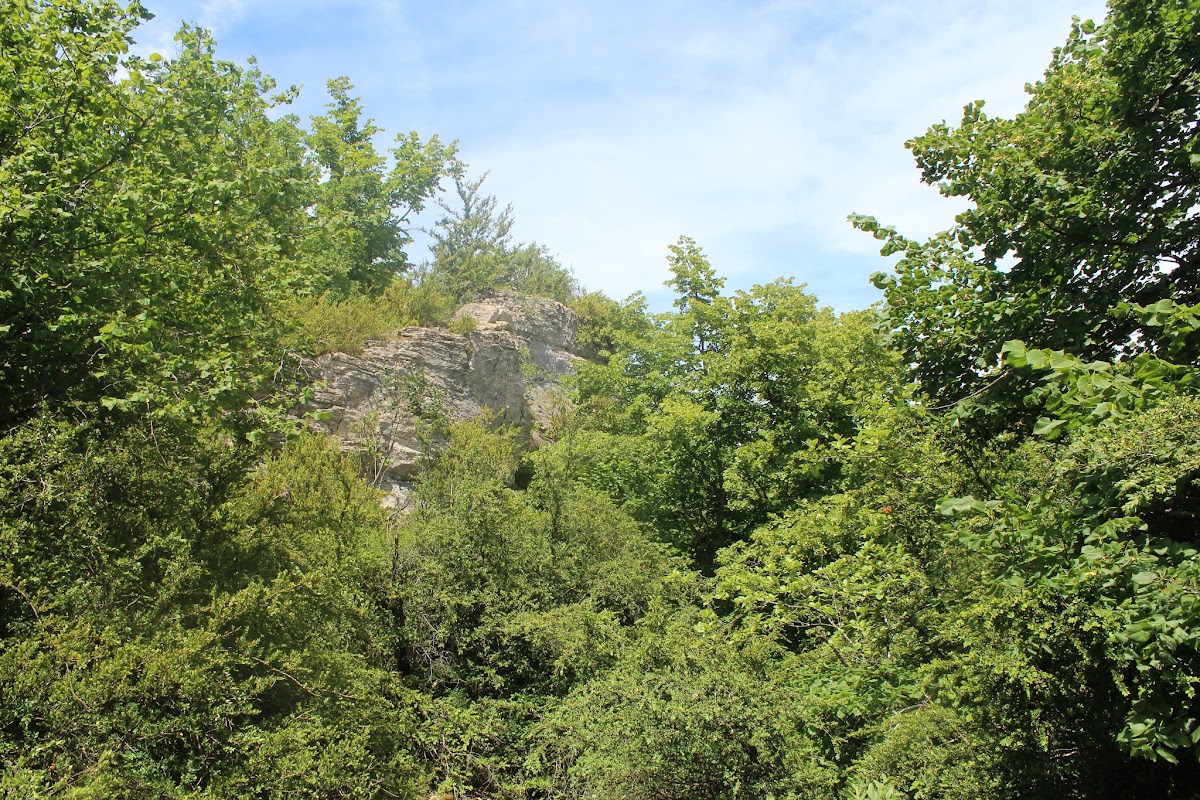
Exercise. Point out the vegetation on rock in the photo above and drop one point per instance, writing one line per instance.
(946, 550)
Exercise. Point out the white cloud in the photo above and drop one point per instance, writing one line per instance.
(794, 140)
(612, 128)
(219, 15)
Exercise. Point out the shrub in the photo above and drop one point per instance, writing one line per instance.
(327, 324)
(464, 325)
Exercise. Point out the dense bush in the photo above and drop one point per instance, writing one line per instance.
(948, 551)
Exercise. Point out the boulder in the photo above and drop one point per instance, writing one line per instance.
(382, 403)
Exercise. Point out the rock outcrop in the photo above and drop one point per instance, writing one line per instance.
(508, 361)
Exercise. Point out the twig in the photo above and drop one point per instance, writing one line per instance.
(294, 680)
(1003, 374)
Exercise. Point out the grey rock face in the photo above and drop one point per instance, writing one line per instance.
(381, 402)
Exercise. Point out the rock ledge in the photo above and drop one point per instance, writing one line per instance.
(379, 402)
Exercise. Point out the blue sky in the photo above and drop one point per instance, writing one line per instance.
(614, 127)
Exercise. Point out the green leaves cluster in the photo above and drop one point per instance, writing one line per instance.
(730, 410)
(753, 558)
(996, 601)
(473, 252)
(155, 217)
(356, 239)
(1057, 320)
(182, 613)
(184, 617)
(1085, 201)
(504, 600)
(147, 214)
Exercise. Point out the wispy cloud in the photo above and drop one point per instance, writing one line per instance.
(220, 15)
(612, 128)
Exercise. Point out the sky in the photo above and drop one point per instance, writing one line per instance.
(612, 128)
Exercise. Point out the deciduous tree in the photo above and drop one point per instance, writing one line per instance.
(1087, 199)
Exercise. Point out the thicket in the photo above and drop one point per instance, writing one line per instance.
(944, 549)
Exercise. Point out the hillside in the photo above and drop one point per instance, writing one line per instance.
(286, 515)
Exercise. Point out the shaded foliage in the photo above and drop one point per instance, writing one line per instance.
(750, 560)
(182, 615)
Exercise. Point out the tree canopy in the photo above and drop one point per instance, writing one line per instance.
(359, 210)
(942, 549)
(149, 211)
(1082, 205)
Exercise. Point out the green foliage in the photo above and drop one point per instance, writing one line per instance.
(1079, 393)
(928, 750)
(463, 325)
(899, 602)
(1085, 201)
(473, 254)
(328, 323)
(532, 270)
(483, 567)
(685, 714)
(713, 419)
(1179, 323)
(1113, 534)
(182, 616)
(504, 600)
(148, 207)
(876, 790)
(356, 238)
(947, 663)
(604, 321)
(1076, 262)
(471, 243)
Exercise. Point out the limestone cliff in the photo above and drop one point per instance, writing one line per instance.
(378, 402)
